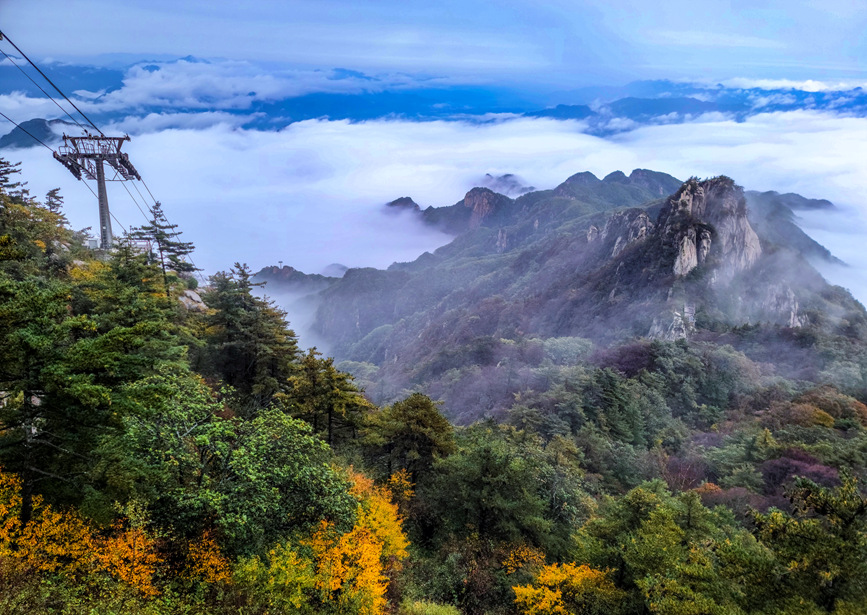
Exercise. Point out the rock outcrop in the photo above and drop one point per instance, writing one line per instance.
(660, 184)
(585, 178)
(624, 228)
(677, 324)
(709, 218)
(508, 184)
(781, 303)
(403, 203)
(191, 300)
(484, 204)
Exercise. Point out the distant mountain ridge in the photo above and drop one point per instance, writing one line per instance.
(42, 129)
(602, 111)
(603, 260)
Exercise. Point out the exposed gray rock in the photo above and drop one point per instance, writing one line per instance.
(710, 218)
(508, 184)
(624, 228)
(403, 203)
(484, 203)
(671, 327)
(780, 302)
(502, 240)
(191, 300)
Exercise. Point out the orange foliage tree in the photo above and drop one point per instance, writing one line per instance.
(333, 572)
(567, 589)
(206, 562)
(64, 543)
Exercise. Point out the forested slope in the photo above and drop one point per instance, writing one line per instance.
(162, 459)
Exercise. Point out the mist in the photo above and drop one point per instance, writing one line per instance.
(312, 194)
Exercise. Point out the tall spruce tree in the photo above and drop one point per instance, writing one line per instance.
(326, 398)
(8, 184)
(249, 344)
(71, 335)
(54, 201)
(167, 249)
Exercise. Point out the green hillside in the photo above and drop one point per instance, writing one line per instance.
(650, 406)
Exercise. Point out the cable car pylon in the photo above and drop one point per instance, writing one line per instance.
(84, 157)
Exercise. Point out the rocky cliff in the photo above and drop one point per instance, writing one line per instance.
(484, 204)
(709, 219)
(604, 260)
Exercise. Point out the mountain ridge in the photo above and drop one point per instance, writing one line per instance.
(602, 260)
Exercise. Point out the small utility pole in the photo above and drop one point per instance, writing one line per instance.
(85, 155)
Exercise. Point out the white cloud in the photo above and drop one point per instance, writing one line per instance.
(759, 102)
(311, 194)
(20, 108)
(221, 85)
(808, 85)
(156, 122)
(229, 84)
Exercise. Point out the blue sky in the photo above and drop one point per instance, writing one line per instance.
(555, 43)
(292, 123)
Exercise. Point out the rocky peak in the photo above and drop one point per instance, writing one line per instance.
(403, 203)
(655, 182)
(508, 184)
(585, 178)
(709, 217)
(616, 177)
(624, 228)
(483, 203)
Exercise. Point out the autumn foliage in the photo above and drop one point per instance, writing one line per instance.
(65, 543)
(567, 589)
(333, 571)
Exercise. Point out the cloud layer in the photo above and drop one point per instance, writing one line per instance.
(311, 194)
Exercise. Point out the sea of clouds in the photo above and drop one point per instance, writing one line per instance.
(312, 193)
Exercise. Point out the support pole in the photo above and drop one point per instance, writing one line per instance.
(85, 158)
(105, 235)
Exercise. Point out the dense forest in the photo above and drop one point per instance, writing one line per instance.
(162, 455)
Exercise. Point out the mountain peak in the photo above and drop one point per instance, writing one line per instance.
(403, 203)
(508, 184)
(584, 178)
(709, 217)
(616, 177)
(658, 183)
(484, 203)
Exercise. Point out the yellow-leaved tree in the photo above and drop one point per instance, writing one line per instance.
(331, 571)
(64, 543)
(567, 589)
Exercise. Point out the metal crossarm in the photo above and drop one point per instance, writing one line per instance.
(84, 156)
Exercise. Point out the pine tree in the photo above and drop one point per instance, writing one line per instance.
(326, 398)
(14, 189)
(54, 201)
(170, 250)
(249, 344)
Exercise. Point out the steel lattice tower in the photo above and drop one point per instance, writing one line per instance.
(85, 156)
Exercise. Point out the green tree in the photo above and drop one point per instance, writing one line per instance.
(255, 481)
(248, 343)
(674, 556)
(326, 398)
(490, 487)
(70, 340)
(821, 547)
(167, 248)
(54, 201)
(409, 435)
(8, 184)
